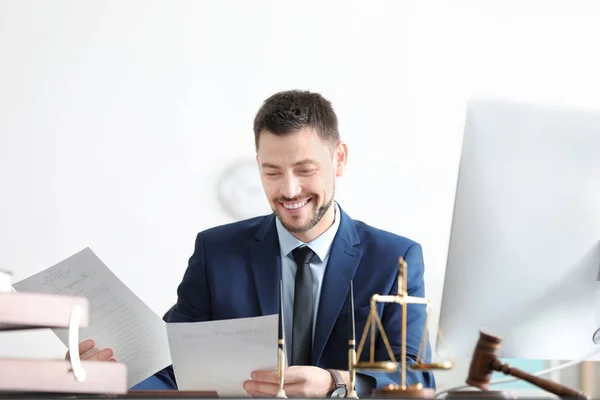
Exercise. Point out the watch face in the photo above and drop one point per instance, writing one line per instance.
(339, 393)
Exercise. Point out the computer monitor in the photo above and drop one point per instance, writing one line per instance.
(524, 253)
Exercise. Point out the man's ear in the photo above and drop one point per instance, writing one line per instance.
(340, 158)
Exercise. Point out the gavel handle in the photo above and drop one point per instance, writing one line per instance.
(545, 384)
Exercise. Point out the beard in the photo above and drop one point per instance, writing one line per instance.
(317, 215)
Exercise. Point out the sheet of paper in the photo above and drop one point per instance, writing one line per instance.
(220, 355)
(118, 318)
(5, 281)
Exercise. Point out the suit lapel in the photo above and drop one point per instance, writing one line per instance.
(266, 266)
(341, 267)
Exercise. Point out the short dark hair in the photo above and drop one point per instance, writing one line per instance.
(286, 112)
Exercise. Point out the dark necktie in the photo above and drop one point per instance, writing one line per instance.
(303, 308)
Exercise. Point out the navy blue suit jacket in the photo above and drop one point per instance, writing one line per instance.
(235, 269)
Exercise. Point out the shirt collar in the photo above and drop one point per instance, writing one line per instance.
(321, 245)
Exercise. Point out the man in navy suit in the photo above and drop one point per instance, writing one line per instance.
(315, 248)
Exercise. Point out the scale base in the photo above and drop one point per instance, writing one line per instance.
(479, 394)
(411, 392)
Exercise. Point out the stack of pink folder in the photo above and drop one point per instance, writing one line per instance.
(20, 311)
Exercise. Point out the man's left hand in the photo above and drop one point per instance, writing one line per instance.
(299, 381)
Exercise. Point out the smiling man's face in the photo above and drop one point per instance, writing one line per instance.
(298, 174)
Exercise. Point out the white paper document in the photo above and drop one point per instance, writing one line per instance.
(5, 281)
(118, 318)
(221, 355)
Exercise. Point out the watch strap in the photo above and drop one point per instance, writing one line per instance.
(337, 377)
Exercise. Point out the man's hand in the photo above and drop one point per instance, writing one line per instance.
(89, 352)
(299, 381)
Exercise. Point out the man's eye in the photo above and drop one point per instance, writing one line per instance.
(306, 171)
(271, 173)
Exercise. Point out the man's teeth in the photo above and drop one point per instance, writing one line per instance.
(291, 206)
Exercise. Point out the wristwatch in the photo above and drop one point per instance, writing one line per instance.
(340, 390)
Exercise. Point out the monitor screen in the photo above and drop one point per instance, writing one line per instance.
(524, 253)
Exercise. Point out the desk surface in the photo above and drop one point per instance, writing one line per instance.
(173, 394)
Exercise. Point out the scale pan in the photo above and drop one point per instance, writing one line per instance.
(446, 365)
(382, 366)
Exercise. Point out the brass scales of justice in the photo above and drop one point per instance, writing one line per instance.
(373, 322)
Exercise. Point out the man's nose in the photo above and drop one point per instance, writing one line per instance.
(290, 187)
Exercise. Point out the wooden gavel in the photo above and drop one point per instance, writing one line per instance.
(485, 361)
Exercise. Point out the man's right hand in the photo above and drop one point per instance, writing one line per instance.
(89, 352)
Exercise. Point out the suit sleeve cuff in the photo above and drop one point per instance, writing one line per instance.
(364, 385)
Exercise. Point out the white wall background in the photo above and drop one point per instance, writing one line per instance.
(117, 117)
